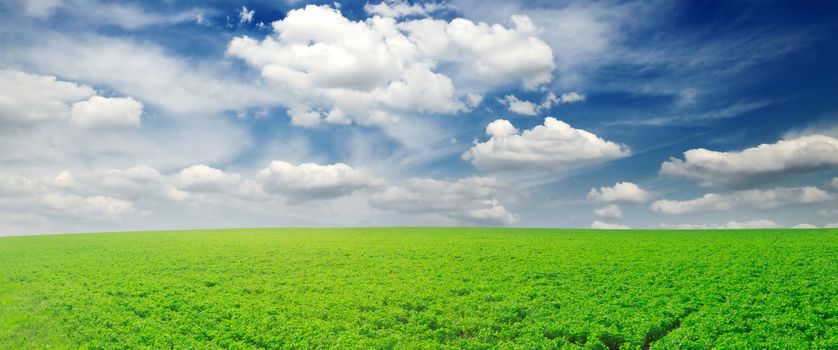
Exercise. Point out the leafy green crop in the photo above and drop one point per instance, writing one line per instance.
(422, 288)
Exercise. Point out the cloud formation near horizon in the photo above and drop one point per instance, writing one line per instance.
(159, 114)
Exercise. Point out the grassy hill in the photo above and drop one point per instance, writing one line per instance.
(421, 288)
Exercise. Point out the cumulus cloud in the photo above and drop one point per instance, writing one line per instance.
(103, 112)
(709, 202)
(352, 68)
(12, 185)
(16, 185)
(42, 199)
(27, 98)
(92, 206)
(364, 70)
(310, 181)
(64, 179)
(400, 8)
(554, 145)
(757, 199)
(129, 194)
(743, 168)
(620, 192)
(568, 97)
(141, 182)
(204, 179)
(804, 225)
(611, 211)
(607, 226)
(761, 223)
(500, 55)
(245, 15)
(199, 184)
(519, 106)
(768, 199)
(523, 107)
(470, 200)
(831, 225)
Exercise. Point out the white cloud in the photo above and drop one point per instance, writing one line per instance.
(499, 55)
(245, 15)
(570, 97)
(103, 112)
(567, 97)
(524, 107)
(401, 8)
(103, 13)
(383, 66)
(834, 183)
(179, 86)
(709, 202)
(89, 207)
(606, 226)
(586, 35)
(611, 211)
(519, 106)
(78, 201)
(422, 90)
(56, 197)
(802, 154)
(305, 117)
(620, 192)
(358, 68)
(204, 178)
(129, 16)
(15, 185)
(500, 128)
(141, 182)
(200, 186)
(757, 199)
(171, 145)
(310, 181)
(474, 100)
(768, 199)
(64, 179)
(831, 225)
(761, 223)
(18, 223)
(27, 98)
(804, 225)
(12, 185)
(470, 200)
(554, 145)
(211, 184)
(40, 8)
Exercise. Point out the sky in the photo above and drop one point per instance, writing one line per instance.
(140, 115)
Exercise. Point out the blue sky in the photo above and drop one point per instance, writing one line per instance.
(606, 114)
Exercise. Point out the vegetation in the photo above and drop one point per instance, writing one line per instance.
(422, 288)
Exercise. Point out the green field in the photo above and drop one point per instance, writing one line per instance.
(421, 288)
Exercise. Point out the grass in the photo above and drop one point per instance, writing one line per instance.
(422, 288)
